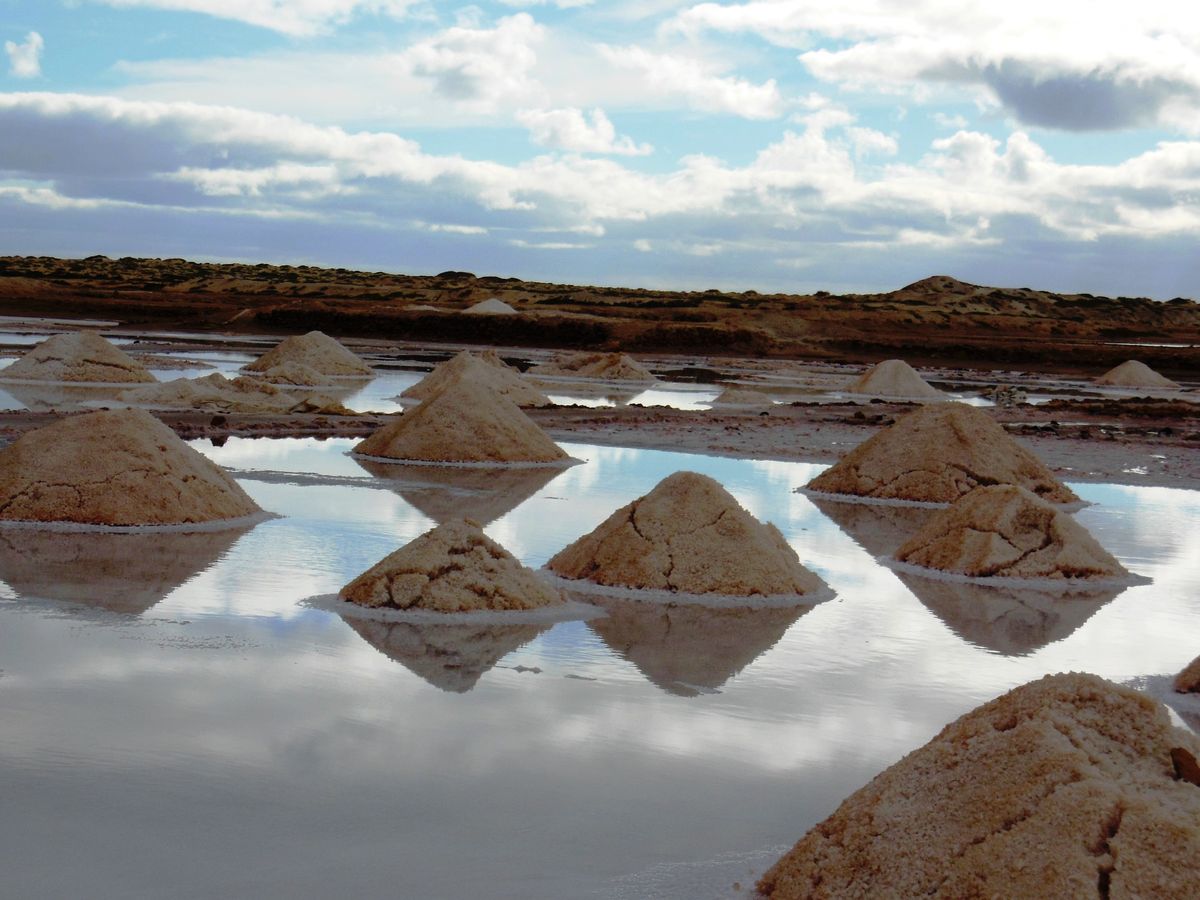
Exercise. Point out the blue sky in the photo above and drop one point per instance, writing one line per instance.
(786, 145)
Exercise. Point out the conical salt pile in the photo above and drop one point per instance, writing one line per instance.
(82, 356)
(602, 366)
(1188, 681)
(935, 455)
(294, 373)
(1134, 374)
(743, 397)
(501, 378)
(453, 568)
(116, 468)
(1004, 531)
(1063, 787)
(687, 535)
(490, 307)
(464, 423)
(317, 351)
(894, 378)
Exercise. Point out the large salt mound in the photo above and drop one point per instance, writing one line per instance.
(216, 393)
(294, 373)
(1135, 374)
(316, 350)
(894, 378)
(1061, 788)
(453, 568)
(117, 468)
(464, 423)
(742, 397)
(1188, 681)
(935, 455)
(500, 377)
(602, 366)
(687, 535)
(491, 307)
(1004, 531)
(82, 356)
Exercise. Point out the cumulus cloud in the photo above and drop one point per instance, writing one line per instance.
(300, 18)
(1074, 64)
(25, 59)
(569, 129)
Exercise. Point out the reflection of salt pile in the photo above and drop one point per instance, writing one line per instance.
(1188, 681)
(79, 357)
(602, 366)
(744, 397)
(123, 573)
(1052, 790)
(894, 378)
(316, 350)
(687, 535)
(464, 423)
(690, 650)
(453, 568)
(451, 656)
(114, 468)
(1004, 620)
(216, 393)
(488, 371)
(294, 373)
(493, 306)
(1134, 374)
(1004, 531)
(445, 493)
(935, 455)
(877, 529)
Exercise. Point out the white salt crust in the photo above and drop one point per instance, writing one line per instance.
(180, 527)
(561, 612)
(1044, 585)
(918, 504)
(489, 464)
(682, 598)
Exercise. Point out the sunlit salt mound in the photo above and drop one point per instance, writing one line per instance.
(688, 535)
(82, 356)
(116, 468)
(465, 423)
(894, 378)
(742, 397)
(1061, 788)
(1004, 531)
(935, 455)
(216, 393)
(492, 373)
(601, 366)
(1134, 374)
(294, 373)
(316, 350)
(1188, 681)
(453, 568)
(491, 307)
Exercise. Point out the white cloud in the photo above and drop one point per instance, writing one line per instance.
(25, 60)
(561, 4)
(569, 129)
(299, 18)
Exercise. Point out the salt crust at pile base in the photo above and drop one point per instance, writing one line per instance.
(490, 372)
(599, 366)
(454, 568)
(464, 424)
(117, 468)
(1004, 531)
(491, 307)
(81, 356)
(1134, 374)
(216, 393)
(687, 536)
(894, 378)
(935, 455)
(742, 397)
(1188, 681)
(1063, 787)
(316, 350)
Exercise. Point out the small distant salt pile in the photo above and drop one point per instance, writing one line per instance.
(687, 535)
(1134, 374)
(1188, 681)
(1004, 531)
(294, 373)
(600, 366)
(742, 397)
(894, 378)
(453, 568)
(316, 350)
(935, 455)
(491, 372)
(464, 423)
(216, 393)
(493, 306)
(1059, 788)
(116, 468)
(82, 356)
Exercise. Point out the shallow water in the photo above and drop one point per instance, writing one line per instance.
(177, 722)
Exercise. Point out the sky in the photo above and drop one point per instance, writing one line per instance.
(773, 145)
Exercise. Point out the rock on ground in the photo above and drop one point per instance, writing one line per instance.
(1064, 787)
(81, 356)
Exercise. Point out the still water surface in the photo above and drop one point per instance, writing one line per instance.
(177, 723)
